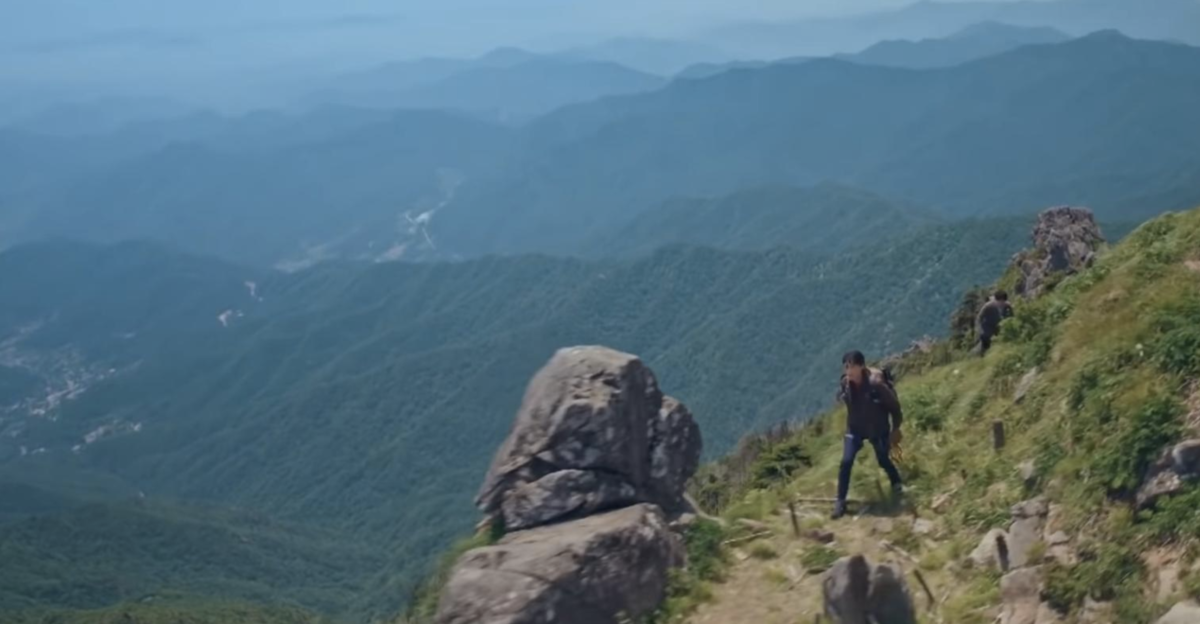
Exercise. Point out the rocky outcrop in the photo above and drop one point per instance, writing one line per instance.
(1178, 466)
(1026, 531)
(1021, 599)
(1182, 613)
(856, 592)
(589, 483)
(1065, 240)
(585, 572)
(594, 432)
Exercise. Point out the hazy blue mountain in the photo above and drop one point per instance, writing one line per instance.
(328, 401)
(1010, 133)
(1177, 20)
(971, 43)
(821, 220)
(527, 89)
(252, 194)
(655, 56)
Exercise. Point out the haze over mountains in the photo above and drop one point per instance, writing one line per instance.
(259, 354)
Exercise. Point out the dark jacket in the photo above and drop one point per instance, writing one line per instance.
(869, 405)
(991, 314)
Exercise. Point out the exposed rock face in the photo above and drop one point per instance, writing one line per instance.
(1021, 599)
(1177, 466)
(1029, 520)
(594, 432)
(992, 551)
(585, 572)
(858, 593)
(1065, 240)
(596, 455)
(1182, 613)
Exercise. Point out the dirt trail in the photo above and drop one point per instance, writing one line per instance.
(761, 589)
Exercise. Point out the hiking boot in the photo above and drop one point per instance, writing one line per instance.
(839, 510)
(897, 490)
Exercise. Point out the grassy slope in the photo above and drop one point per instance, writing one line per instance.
(1119, 351)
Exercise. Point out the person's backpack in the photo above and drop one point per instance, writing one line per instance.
(881, 377)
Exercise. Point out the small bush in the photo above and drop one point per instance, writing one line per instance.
(818, 558)
(780, 463)
(1104, 573)
(763, 551)
(1122, 459)
(1175, 518)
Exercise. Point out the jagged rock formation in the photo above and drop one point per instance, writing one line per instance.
(1178, 466)
(1065, 240)
(594, 434)
(856, 592)
(584, 572)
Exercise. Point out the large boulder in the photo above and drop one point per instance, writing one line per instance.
(1178, 466)
(857, 592)
(1026, 531)
(594, 432)
(1065, 240)
(589, 571)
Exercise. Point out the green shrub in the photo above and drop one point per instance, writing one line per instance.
(707, 557)
(1175, 518)
(818, 558)
(1104, 573)
(923, 409)
(779, 463)
(1176, 348)
(1122, 459)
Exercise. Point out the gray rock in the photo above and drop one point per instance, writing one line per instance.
(1029, 521)
(1028, 471)
(591, 410)
(1021, 596)
(1065, 240)
(586, 571)
(855, 592)
(1183, 613)
(923, 527)
(1175, 468)
(992, 551)
(1025, 385)
(675, 447)
(564, 494)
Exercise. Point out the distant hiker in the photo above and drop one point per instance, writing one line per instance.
(872, 415)
(990, 316)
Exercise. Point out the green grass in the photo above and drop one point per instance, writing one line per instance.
(818, 558)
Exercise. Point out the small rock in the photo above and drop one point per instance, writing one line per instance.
(1029, 520)
(754, 525)
(1168, 476)
(1025, 385)
(884, 526)
(1028, 471)
(820, 535)
(992, 551)
(1020, 596)
(1183, 613)
(1058, 538)
(924, 527)
(1094, 612)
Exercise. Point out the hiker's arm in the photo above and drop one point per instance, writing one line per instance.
(892, 402)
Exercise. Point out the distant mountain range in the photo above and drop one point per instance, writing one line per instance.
(506, 85)
(1011, 133)
(972, 43)
(1177, 20)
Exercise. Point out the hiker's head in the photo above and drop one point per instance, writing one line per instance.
(853, 364)
(1001, 295)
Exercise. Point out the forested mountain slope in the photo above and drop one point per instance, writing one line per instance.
(333, 399)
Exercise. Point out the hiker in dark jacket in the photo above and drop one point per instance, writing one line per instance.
(873, 415)
(990, 316)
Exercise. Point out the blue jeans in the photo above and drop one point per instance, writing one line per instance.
(851, 445)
